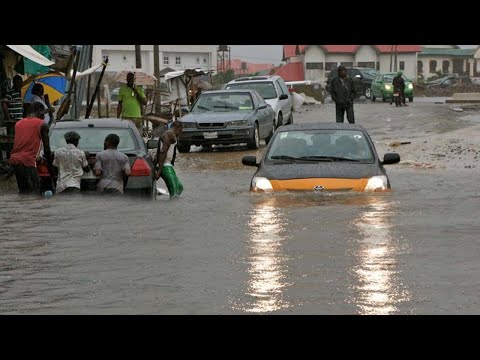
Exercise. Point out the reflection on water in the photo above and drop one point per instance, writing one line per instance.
(378, 287)
(266, 281)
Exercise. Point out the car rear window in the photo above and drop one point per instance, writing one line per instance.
(266, 89)
(92, 138)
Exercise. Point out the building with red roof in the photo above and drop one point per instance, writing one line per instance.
(319, 60)
(243, 67)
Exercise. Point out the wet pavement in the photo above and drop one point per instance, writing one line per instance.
(219, 249)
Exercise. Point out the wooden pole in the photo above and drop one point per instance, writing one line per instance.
(90, 105)
(88, 86)
(107, 101)
(156, 73)
(138, 56)
(391, 57)
(98, 102)
(396, 67)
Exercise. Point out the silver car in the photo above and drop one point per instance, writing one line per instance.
(273, 90)
(227, 117)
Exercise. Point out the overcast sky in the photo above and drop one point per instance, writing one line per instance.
(265, 54)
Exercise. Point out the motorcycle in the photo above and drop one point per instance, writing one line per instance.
(397, 97)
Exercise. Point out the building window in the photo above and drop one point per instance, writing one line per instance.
(445, 66)
(346, 63)
(433, 66)
(314, 65)
(330, 66)
(402, 65)
(178, 60)
(204, 60)
(378, 66)
(124, 58)
(198, 60)
(420, 67)
(165, 60)
(367, 64)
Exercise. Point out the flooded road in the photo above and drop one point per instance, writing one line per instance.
(220, 250)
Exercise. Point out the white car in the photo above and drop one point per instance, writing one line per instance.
(274, 92)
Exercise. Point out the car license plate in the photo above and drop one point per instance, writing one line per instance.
(210, 135)
(395, 94)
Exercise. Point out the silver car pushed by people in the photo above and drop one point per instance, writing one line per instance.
(226, 117)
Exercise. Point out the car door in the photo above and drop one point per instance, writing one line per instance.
(376, 86)
(285, 104)
(263, 115)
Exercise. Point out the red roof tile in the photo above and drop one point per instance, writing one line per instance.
(291, 72)
(252, 68)
(289, 50)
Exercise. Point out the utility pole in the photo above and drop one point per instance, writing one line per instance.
(391, 57)
(396, 68)
(138, 56)
(156, 73)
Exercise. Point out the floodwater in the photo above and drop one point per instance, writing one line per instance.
(218, 249)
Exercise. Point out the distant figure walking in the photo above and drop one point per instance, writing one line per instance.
(342, 90)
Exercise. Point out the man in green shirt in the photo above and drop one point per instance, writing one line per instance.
(130, 101)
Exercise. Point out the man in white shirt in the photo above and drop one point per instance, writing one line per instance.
(71, 163)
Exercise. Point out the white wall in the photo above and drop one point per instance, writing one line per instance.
(339, 58)
(410, 60)
(366, 53)
(314, 54)
(188, 54)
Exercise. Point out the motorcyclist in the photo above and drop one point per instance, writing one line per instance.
(399, 85)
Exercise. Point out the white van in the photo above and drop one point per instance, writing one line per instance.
(274, 92)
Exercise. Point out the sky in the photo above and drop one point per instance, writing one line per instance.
(265, 54)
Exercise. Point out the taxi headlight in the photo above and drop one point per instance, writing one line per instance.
(387, 87)
(377, 183)
(261, 184)
(410, 86)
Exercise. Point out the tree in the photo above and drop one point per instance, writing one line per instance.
(223, 77)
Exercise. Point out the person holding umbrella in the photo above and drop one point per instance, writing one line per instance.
(130, 101)
(38, 96)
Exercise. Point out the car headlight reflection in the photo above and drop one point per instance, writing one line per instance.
(189, 125)
(387, 87)
(261, 184)
(377, 183)
(236, 123)
(410, 86)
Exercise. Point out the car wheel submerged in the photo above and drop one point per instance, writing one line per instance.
(254, 142)
(410, 99)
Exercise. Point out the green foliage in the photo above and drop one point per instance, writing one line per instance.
(223, 78)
